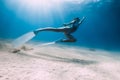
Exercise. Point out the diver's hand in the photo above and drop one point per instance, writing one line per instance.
(83, 18)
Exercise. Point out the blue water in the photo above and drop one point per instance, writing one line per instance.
(101, 29)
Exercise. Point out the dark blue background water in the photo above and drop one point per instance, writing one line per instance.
(101, 29)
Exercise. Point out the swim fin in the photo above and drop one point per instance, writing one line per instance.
(23, 39)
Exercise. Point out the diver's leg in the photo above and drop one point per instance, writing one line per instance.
(50, 29)
(70, 38)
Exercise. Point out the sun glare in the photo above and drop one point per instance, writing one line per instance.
(43, 5)
(39, 9)
(35, 5)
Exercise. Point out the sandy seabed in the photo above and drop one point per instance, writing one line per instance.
(56, 62)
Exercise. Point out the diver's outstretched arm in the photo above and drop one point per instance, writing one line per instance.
(82, 20)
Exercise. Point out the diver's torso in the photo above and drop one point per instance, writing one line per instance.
(74, 27)
(71, 28)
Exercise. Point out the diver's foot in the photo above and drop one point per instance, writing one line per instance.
(36, 32)
(62, 40)
(68, 40)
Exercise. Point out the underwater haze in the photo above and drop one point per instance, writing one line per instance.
(101, 28)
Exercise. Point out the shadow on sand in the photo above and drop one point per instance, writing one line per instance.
(60, 59)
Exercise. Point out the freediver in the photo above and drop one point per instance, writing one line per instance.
(67, 29)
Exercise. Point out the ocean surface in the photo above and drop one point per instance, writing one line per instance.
(101, 28)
